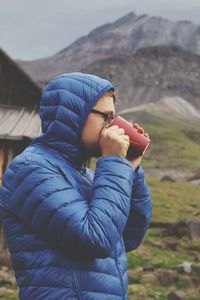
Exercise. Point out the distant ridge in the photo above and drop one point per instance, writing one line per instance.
(138, 54)
(126, 35)
(151, 74)
(177, 106)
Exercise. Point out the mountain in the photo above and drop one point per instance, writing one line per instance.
(151, 74)
(124, 36)
(173, 107)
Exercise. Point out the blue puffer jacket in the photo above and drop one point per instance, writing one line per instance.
(68, 229)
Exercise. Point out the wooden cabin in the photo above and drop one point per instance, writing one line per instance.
(19, 118)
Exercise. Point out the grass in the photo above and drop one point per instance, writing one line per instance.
(139, 292)
(164, 261)
(174, 201)
(6, 294)
(175, 144)
(5, 283)
(161, 252)
(150, 292)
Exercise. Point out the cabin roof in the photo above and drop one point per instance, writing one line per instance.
(19, 122)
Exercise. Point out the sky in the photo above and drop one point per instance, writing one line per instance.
(32, 29)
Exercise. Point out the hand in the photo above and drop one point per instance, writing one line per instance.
(140, 129)
(136, 161)
(113, 141)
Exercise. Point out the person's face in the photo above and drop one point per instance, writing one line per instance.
(94, 124)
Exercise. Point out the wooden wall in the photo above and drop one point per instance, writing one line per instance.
(16, 87)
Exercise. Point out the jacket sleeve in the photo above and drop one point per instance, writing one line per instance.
(58, 213)
(140, 212)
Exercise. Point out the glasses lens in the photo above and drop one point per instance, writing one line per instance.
(109, 118)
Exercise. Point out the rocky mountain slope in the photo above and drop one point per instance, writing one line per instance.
(126, 36)
(174, 107)
(151, 74)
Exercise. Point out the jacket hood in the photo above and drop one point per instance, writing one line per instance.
(65, 104)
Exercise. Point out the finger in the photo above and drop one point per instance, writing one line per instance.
(126, 144)
(112, 128)
(141, 130)
(126, 138)
(120, 131)
(135, 125)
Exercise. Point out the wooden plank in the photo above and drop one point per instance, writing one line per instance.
(10, 154)
(1, 163)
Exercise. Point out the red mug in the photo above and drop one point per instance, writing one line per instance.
(139, 143)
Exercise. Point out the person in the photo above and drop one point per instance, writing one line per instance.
(68, 229)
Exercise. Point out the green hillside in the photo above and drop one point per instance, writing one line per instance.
(153, 267)
(175, 142)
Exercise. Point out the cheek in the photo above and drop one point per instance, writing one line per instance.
(93, 134)
(90, 134)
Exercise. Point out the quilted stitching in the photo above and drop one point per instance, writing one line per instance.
(66, 227)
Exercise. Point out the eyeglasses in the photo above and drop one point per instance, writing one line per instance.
(108, 116)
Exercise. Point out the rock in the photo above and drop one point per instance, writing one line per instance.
(197, 268)
(135, 271)
(196, 275)
(194, 227)
(196, 213)
(167, 178)
(197, 258)
(149, 268)
(195, 179)
(147, 278)
(185, 267)
(170, 244)
(166, 277)
(8, 276)
(178, 230)
(5, 259)
(177, 295)
(190, 229)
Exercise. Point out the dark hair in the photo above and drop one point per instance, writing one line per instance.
(112, 94)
